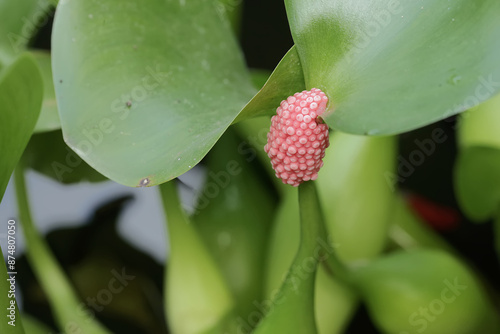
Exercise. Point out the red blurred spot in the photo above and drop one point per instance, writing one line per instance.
(438, 216)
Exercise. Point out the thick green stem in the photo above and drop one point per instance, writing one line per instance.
(313, 227)
(69, 312)
(292, 309)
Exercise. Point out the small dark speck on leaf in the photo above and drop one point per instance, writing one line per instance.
(129, 104)
(60, 81)
(144, 182)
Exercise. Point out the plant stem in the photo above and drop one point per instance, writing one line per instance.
(67, 309)
(314, 229)
(194, 284)
(292, 310)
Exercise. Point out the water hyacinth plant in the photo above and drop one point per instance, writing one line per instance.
(350, 168)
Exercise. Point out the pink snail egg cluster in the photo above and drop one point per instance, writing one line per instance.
(297, 139)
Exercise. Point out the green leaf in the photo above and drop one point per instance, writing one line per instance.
(477, 182)
(8, 302)
(20, 20)
(286, 79)
(480, 126)
(425, 291)
(21, 90)
(48, 154)
(357, 193)
(228, 223)
(259, 77)
(194, 285)
(392, 66)
(146, 91)
(232, 9)
(49, 117)
(477, 177)
(334, 303)
(255, 131)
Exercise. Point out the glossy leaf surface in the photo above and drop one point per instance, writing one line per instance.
(392, 66)
(20, 100)
(146, 91)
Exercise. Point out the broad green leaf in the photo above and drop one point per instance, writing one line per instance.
(195, 287)
(11, 322)
(357, 193)
(146, 91)
(228, 222)
(391, 66)
(477, 182)
(19, 22)
(21, 91)
(286, 79)
(49, 118)
(425, 291)
(334, 302)
(48, 154)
